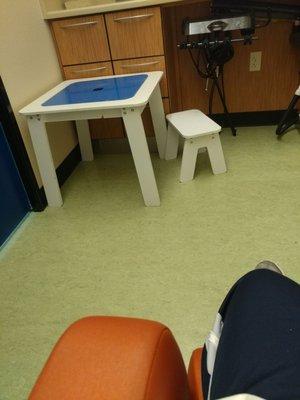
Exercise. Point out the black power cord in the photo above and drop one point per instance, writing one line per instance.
(215, 54)
(203, 75)
(211, 97)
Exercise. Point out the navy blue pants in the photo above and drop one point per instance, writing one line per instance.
(259, 348)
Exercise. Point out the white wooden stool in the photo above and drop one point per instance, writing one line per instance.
(198, 131)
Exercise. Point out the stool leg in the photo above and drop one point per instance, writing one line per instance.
(172, 143)
(216, 156)
(189, 157)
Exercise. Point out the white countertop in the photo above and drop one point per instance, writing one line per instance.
(105, 6)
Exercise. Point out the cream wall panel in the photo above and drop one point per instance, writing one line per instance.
(29, 67)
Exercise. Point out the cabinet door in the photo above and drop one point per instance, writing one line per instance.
(107, 128)
(147, 119)
(144, 65)
(88, 70)
(135, 33)
(81, 40)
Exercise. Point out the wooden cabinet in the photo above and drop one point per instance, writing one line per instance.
(135, 33)
(88, 70)
(107, 128)
(143, 65)
(81, 40)
(125, 42)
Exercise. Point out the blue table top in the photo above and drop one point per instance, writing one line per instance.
(119, 88)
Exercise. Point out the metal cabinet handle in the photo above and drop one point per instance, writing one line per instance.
(140, 65)
(133, 18)
(79, 24)
(81, 71)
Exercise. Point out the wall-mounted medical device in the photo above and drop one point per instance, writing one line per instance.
(209, 40)
(212, 37)
(216, 25)
(288, 9)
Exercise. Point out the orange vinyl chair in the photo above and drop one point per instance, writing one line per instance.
(194, 375)
(112, 358)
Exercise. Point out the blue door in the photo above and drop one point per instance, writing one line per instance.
(14, 203)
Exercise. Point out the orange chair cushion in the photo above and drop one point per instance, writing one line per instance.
(111, 358)
(194, 375)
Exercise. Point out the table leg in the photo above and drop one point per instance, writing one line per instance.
(159, 121)
(85, 142)
(141, 156)
(44, 158)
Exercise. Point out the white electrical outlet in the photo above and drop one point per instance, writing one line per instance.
(255, 61)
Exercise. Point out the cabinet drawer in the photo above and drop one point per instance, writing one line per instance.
(147, 120)
(88, 70)
(135, 33)
(144, 65)
(81, 40)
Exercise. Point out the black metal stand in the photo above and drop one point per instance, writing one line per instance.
(289, 118)
(230, 123)
(211, 73)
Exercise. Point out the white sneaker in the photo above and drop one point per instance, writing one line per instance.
(266, 264)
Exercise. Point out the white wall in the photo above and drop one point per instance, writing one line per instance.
(29, 67)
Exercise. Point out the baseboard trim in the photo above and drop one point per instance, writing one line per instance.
(64, 170)
(255, 118)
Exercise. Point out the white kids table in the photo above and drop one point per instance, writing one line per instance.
(107, 97)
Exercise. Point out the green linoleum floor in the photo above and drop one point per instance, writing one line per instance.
(105, 253)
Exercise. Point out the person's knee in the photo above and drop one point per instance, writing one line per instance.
(260, 279)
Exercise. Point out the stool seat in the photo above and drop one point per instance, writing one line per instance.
(198, 132)
(192, 123)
